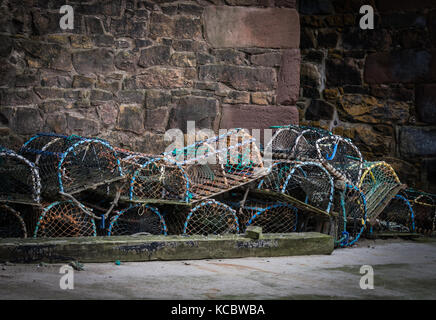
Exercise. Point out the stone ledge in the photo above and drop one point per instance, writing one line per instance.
(149, 248)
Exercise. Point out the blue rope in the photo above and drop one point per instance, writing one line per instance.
(333, 154)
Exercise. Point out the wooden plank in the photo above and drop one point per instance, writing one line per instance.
(383, 204)
(94, 186)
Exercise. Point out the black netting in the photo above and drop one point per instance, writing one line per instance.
(20, 178)
(72, 164)
(64, 219)
(211, 218)
(138, 219)
(11, 223)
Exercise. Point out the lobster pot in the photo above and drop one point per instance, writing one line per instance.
(424, 209)
(138, 219)
(11, 223)
(175, 218)
(282, 142)
(341, 158)
(219, 163)
(64, 219)
(211, 218)
(72, 164)
(273, 217)
(305, 145)
(378, 182)
(130, 160)
(308, 182)
(159, 179)
(398, 216)
(20, 181)
(351, 220)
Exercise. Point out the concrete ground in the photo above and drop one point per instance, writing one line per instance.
(402, 270)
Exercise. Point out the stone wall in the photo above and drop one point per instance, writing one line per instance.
(131, 69)
(374, 86)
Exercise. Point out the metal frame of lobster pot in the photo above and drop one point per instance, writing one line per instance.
(295, 142)
(21, 181)
(308, 186)
(424, 208)
(72, 164)
(380, 184)
(192, 175)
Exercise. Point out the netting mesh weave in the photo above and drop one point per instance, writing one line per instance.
(138, 219)
(341, 157)
(19, 178)
(352, 215)
(11, 223)
(273, 218)
(71, 164)
(64, 219)
(309, 182)
(211, 218)
(398, 216)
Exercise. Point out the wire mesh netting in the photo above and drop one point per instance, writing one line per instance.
(294, 142)
(211, 218)
(131, 161)
(175, 219)
(282, 142)
(378, 182)
(19, 178)
(341, 158)
(352, 216)
(398, 216)
(305, 145)
(159, 178)
(273, 218)
(71, 163)
(308, 182)
(64, 219)
(424, 208)
(200, 170)
(138, 219)
(11, 223)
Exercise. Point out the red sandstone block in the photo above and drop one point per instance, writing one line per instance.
(257, 117)
(289, 77)
(240, 27)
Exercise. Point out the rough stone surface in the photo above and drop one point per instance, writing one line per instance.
(375, 82)
(371, 110)
(157, 55)
(401, 66)
(417, 141)
(251, 27)
(257, 117)
(204, 111)
(426, 103)
(289, 78)
(131, 118)
(241, 78)
(318, 110)
(93, 61)
(131, 69)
